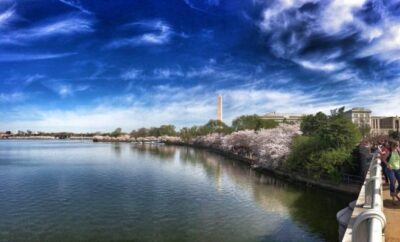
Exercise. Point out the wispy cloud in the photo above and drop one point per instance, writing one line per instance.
(131, 74)
(12, 57)
(7, 16)
(64, 89)
(61, 26)
(77, 5)
(385, 44)
(314, 65)
(154, 32)
(166, 73)
(170, 104)
(12, 97)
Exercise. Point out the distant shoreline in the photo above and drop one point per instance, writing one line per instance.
(44, 138)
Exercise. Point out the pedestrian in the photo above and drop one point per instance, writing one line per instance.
(383, 150)
(393, 169)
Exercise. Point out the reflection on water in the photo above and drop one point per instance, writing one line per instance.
(70, 191)
(310, 207)
(155, 150)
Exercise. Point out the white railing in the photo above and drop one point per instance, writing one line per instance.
(370, 223)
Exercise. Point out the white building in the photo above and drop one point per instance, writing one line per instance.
(283, 117)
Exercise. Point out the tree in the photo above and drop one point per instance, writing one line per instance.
(326, 145)
(339, 132)
(312, 124)
(142, 132)
(252, 122)
(214, 126)
(167, 130)
(153, 131)
(268, 124)
(117, 132)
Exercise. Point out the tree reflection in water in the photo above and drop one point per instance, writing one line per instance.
(311, 208)
(161, 151)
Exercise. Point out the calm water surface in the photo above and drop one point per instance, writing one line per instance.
(84, 191)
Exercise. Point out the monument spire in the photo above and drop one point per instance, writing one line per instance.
(219, 107)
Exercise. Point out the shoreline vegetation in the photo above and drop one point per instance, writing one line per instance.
(321, 151)
(270, 149)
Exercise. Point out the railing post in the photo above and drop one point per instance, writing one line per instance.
(368, 225)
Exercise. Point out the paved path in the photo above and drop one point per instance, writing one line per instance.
(392, 213)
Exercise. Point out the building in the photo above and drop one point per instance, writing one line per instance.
(359, 116)
(219, 108)
(384, 125)
(378, 124)
(283, 117)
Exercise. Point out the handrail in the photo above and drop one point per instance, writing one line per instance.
(372, 218)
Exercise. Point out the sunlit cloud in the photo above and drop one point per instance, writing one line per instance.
(313, 65)
(7, 16)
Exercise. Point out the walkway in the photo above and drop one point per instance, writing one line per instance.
(392, 213)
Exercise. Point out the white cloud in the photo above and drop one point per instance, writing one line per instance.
(11, 57)
(76, 4)
(380, 98)
(64, 25)
(132, 74)
(168, 104)
(65, 89)
(12, 97)
(338, 13)
(319, 66)
(7, 16)
(385, 45)
(201, 72)
(166, 73)
(154, 32)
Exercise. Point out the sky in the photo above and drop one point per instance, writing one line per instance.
(87, 66)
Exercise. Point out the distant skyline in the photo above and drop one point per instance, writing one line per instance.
(71, 65)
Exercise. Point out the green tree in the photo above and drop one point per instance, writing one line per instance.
(142, 132)
(246, 122)
(326, 145)
(153, 131)
(252, 122)
(339, 132)
(117, 132)
(185, 134)
(312, 124)
(167, 130)
(268, 124)
(214, 126)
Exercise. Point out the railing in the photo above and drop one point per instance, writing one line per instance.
(369, 223)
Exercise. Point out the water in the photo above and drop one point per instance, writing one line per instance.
(84, 191)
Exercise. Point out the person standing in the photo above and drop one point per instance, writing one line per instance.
(393, 169)
(383, 149)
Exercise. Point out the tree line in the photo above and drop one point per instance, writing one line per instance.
(244, 122)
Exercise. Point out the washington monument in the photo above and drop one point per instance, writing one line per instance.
(219, 108)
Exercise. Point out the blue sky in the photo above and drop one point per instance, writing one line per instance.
(84, 65)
